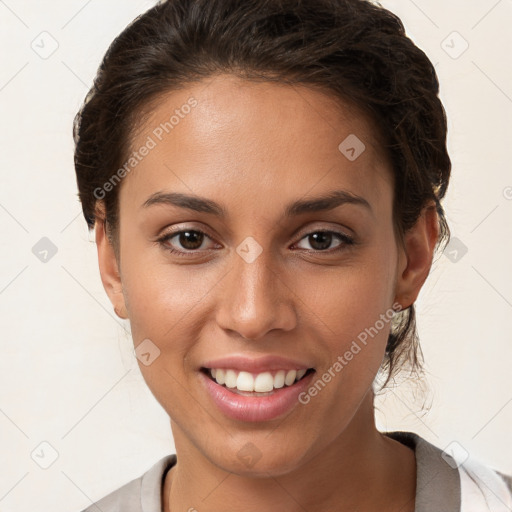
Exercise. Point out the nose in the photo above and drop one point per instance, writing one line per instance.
(255, 299)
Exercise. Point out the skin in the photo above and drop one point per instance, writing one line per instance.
(253, 148)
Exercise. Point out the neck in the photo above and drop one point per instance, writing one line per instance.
(361, 469)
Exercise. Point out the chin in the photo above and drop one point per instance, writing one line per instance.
(260, 460)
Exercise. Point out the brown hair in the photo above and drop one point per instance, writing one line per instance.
(354, 50)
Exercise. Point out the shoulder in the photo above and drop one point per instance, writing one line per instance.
(485, 486)
(453, 480)
(142, 494)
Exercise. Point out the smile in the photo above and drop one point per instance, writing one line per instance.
(244, 402)
(253, 384)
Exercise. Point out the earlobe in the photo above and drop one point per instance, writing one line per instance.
(109, 271)
(416, 257)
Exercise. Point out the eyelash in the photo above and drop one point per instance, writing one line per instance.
(345, 239)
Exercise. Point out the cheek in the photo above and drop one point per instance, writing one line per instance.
(354, 313)
(162, 302)
(354, 296)
(353, 306)
(161, 296)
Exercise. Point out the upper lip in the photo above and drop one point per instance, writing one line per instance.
(256, 364)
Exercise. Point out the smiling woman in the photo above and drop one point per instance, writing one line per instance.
(279, 169)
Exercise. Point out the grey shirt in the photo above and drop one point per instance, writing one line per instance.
(438, 482)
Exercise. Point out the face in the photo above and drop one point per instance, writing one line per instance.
(243, 278)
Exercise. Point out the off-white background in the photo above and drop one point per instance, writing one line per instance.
(69, 375)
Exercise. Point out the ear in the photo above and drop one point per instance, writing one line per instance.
(416, 257)
(109, 271)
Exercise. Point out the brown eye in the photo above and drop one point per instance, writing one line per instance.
(321, 240)
(184, 243)
(190, 240)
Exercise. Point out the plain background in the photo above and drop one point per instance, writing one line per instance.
(70, 379)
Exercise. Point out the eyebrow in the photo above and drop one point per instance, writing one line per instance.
(199, 204)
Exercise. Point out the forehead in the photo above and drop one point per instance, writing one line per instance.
(268, 139)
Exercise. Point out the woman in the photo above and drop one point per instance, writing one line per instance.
(265, 181)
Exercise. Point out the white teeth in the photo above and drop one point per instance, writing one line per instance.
(290, 377)
(261, 383)
(245, 382)
(301, 373)
(264, 382)
(230, 379)
(279, 379)
(220, 375)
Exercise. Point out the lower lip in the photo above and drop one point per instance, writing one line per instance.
(254, 408)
